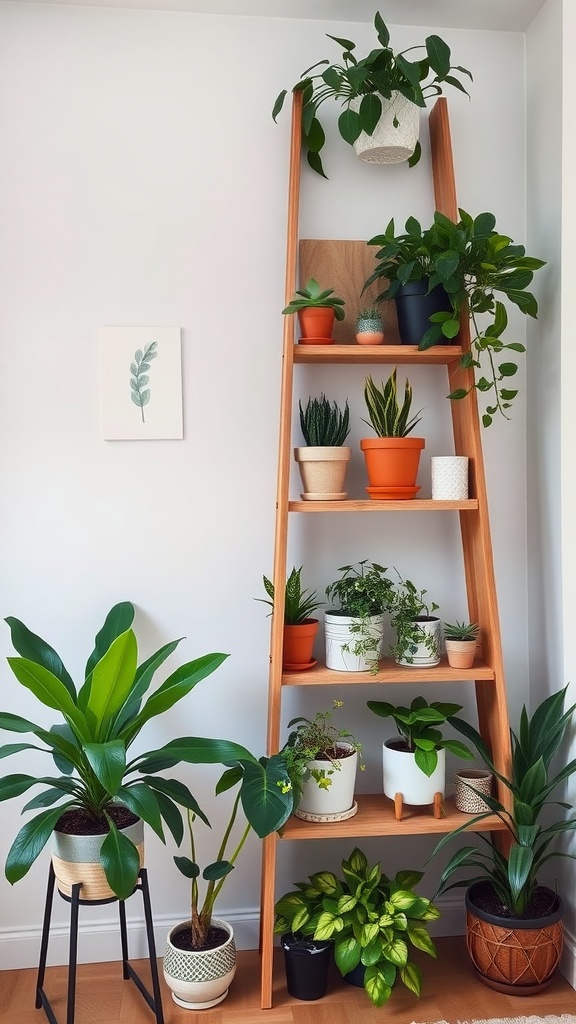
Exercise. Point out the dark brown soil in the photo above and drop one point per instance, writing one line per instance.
(183, 939)
(336, 753)
(77, 822)
(542, 903)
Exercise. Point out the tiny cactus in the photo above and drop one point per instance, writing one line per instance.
(369, 320)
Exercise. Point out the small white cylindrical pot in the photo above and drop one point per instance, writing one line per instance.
(469, 799)
(396, 134)
(402, 775)
(345, 637)
(323, 471)
(339, 796)
(427, 651)
(77, 859)
(449, 477)
(199, 979)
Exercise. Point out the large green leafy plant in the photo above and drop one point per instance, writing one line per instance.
(474, 263)
(513, 876)
(419, 726)
(372, 919)
(370, 80)
(89, 746)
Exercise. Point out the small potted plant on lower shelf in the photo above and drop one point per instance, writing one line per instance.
(461, 639)
(317, 308)
(324, 458)
(392, 457)
(354, 630)
(369, 329)
(418, 630)
(414, 765)
(300, 628)
(514, 921)
(321, 760)
(200, 958)
(371, 919)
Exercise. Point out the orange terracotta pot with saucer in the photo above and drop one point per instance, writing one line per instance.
(392, 466)
(299, 645)
(316, 323)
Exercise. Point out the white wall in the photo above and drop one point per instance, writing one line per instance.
(144, 182)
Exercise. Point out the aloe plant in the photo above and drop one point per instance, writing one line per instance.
(460, 630)
(313, 295)
(324, 423)
(388, 417)
(101, 719)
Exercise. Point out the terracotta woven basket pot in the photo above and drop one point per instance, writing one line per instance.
(514, 955)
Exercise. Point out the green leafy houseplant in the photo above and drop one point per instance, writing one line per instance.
(372, 919)
(387, 416)
(419, 725)
(474, 263)
(513, 876)
(299, 603)
(315, 739)
(323, 423)
(313, 295)
(370, 80)
(100, 721)
(362, 591)
(408, 605)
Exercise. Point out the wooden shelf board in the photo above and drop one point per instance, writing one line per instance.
(375, 817)
(388, 672)
(368, 505)
(402, 354)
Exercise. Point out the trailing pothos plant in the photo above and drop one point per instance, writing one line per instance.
(474, 263)
(99, 722)
(370, 80)
(372, 919)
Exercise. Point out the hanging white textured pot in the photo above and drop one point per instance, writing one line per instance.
(347, 638)
(402, 775)
(395, 135)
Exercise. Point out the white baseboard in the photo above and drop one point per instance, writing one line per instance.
(568, 961)
(100, 943)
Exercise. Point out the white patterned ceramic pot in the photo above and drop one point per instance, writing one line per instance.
(449, 477)
(200, 979)
(425, 650)
(352, 644)
(77, 859)
(339, 796)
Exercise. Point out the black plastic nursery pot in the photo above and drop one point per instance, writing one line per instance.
(414, 307)
(307, 961)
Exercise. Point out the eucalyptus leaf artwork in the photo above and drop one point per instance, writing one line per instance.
(141, 383)
(139, 380)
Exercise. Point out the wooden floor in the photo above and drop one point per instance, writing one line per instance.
(451, 993)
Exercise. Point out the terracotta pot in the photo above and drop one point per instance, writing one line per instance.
(460, 653)
(323, 471)
(392, 463)
(517, 956)
(316, 323)
(299, 644)
(370, 337)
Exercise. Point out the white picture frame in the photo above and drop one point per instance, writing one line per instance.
(141, 383)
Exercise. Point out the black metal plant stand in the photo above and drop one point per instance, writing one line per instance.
(42, 1002)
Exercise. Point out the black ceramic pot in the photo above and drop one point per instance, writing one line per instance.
(307, 962)
(414, 307)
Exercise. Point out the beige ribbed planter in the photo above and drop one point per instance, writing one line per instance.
(77, 859)
(323, 471)
(460, 653)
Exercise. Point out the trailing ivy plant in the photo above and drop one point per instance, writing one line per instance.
(371, 80)
(474, 263)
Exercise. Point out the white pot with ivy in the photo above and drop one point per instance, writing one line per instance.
(322, 761)
(414, 762)
(324, 459)
(418, 631)
(354, 630)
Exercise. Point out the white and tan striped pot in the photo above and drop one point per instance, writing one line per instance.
(199, 979)
(77, 859)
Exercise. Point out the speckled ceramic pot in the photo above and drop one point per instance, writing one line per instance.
(199, 980)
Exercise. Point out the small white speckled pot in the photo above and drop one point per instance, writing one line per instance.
(199, 980)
